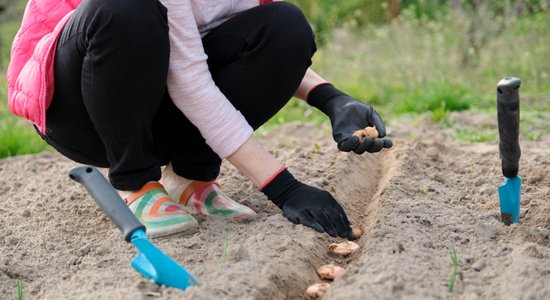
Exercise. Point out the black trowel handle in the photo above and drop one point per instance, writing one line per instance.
(108, 199)
(508, 125)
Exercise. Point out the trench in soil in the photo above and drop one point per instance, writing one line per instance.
(358, 182)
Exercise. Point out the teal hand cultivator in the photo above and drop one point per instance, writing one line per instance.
(508, 128)
(150, 261)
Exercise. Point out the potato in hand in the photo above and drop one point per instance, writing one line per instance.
(367, 131)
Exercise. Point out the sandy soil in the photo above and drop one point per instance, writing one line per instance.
(415, 202)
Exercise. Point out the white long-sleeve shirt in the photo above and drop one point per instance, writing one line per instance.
(190, 83)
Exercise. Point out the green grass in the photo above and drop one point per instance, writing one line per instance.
(452, 279)
(412, 66)
(225, 249)
(8, 29)
(17, 136)
(20, 289)
(295, 110)
(475, 135)
(534, 123)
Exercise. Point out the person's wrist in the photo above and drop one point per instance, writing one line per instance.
(321, 96)
(255, 162)
(315, 86)
(278, 187)
(271, 178)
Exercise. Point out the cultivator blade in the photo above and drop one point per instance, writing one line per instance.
(157, 266)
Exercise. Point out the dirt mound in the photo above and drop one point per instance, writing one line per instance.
(415, 202)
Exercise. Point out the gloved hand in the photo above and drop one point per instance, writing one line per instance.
(348, 115)
(307, 205)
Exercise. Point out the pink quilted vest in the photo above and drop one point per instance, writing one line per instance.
(30, 73)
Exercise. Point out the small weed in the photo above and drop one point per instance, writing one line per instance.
(438, 97)
(17, 136)
(476, 136)
(224, 257)
(316, 150)
(452, 279)
(441, 114)
(20, 288)
(316, 147)
(534, 136)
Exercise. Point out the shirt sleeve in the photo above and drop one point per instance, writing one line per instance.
(192, 88)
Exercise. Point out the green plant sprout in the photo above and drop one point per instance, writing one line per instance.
(316, 149)
(20, 288)
(452, 279)
(224, 258)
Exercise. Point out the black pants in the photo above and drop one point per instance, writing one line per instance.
(111, 107)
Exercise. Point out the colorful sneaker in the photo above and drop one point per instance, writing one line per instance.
(158, 212)
(206, 198)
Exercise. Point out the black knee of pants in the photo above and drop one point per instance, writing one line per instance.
(110, 77)
(277, 48)
(257, 59)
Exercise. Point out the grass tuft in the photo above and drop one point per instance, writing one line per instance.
(452, 279)
(17, 139)
(437, 97)
(20, 288)
(17, 136)
(476, 135)
(225, 251)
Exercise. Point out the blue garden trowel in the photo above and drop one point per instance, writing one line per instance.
(150, 261)
(508, 128)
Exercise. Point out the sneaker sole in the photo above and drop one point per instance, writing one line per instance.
(187, 229)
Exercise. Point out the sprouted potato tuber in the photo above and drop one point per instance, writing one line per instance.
(357, 231)
(344, 249)
(330, 271)
(367, 131)
(371, 131)
(360, 134)
(317, 290)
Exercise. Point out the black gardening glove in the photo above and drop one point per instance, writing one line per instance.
(348, 115)
(307, 205)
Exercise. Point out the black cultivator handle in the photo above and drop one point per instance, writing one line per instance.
(108, 199)
(508, 125)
